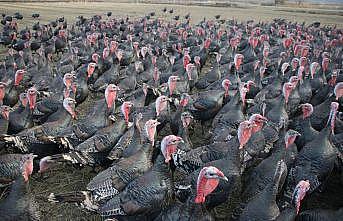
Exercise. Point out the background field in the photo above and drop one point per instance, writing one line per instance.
(69, 179)
(332, 15)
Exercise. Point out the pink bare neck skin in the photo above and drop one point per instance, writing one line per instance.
(111, 95)
(307, 110)
(125, 109)
(28, 169)
(161, 104)
(31, 97)
(67, 104)
(169, 146)
(286, 91)
(2, 91)
(244, 133)
(150, 129)
(207, 182)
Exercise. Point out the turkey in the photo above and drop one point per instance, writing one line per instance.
(37, 139)
(20, 203)
(207, 104)
(277, 113)
(14, 165)
(303, 125)
(321, 111)
(317, 158)
(21, 120)
(263, 206)
(263, 173)
(292, 210)
(4, 118)
(147, 194)
(229, 117)
(189, 161)
(49, 105)
(181, 106)
(132, 136)
(208, 179)
(98, 117)
(110, 182)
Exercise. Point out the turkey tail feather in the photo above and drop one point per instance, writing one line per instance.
(81, 197)
(112, 208)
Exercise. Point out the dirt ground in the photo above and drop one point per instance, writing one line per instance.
(66, 178)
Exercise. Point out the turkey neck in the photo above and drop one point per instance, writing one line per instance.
(281, 104)
(235, 101)
(184, 133)
(322, 75)
(258, 79)
(280, 151)
(161, 167)
(306, 123)
(3, 125)
(179, 110)
(325, 133)
(325, 107)
(64, 118)
(277, 82)
(272, 188)
(18, 189)
(26, 114)
(82, 75)
(27, 109)
(148, 149)
(218, 72)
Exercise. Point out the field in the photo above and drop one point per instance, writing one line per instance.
(65, 178)
(241, 12)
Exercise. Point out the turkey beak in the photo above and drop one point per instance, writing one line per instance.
(296, 133)
(252, 83)
(264, 119)
(224, 178)
(112, 118)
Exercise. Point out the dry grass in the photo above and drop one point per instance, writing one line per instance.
(71, 10)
